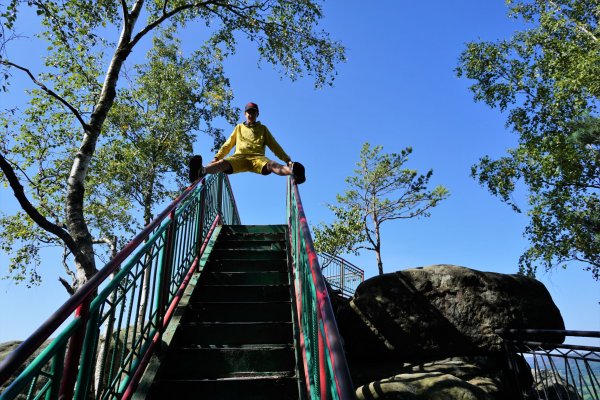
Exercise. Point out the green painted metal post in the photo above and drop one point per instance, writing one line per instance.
(220, 178)
(342, 277)
(200, 224)
(58, 362)
(164, 272)
(67, 384)
(88, 356)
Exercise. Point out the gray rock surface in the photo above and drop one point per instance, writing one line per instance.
(549, 385)
(480, 377)
(442, 311)
(8, 347)
(422, 386)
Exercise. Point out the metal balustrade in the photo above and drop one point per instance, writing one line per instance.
(106, 333)
(121, 313)
(559, 371)
(327, 375)
(342, 276)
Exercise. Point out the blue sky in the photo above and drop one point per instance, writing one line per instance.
(397, 89)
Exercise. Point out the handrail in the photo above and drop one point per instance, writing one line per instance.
(341, 274)
(558, 370)
(133, 307)
(509, 332)
(326, 369)
(16, 358)
(170, 312)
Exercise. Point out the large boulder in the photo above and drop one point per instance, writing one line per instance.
(442, 311)
(480, 377)
(8, 347)
(421, 386)
(550, 385)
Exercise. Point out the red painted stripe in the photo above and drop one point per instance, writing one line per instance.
(130, 390)
(332, 337)
(16, 358)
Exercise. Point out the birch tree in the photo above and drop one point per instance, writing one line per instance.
(48, 150)
(546, 79)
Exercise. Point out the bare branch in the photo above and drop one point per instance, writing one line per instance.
(66, 285)
(159, 21)
(125, 10)
(367, 230)
(166, 15)
(112, 244)
(68, 270)
(40, 193)
(49, 91)
(33, 213)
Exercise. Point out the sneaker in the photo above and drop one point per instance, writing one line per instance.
(298, 171)
(195, 165)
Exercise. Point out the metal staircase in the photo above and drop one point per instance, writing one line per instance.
(235, 338)
(196, 305)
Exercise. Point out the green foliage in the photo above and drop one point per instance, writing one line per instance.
(153, 123)
(380, 190)
(91, 152)
(546, 78)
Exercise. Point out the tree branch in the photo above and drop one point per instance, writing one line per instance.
(66, 285)
(112, 244)
(33, 213)
(166, 15)
(69, 286)
(367, 230)
(578, 24)
(159, 21)
(125, 10)
(49, 91)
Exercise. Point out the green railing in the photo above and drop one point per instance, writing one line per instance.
(343, 276)
(121, 313)
(559, 370)
(326, 370)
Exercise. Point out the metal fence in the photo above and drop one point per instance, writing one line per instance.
(558, 371)
(121, 312)
(327, 375)
(342, 275)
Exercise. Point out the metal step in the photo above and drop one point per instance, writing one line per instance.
(256, 244)
(252, 237)
(228, 265)
(253, 229)
(188, 364)
(258, 387)
(251, 293)
(244, 278)
(228, 311)
(235, 338)
(222, 334)
(248, 254)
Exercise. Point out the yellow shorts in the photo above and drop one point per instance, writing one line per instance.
(245, 163)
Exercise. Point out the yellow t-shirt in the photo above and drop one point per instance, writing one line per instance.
(251, 141)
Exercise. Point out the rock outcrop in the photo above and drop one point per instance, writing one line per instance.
(8, 347)
(442, 310)
(431, 332)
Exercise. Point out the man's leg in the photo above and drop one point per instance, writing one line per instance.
(215, 167)
(277, 168)
(196, 170)
(295, 169)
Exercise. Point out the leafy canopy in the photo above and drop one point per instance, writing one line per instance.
(546, 78)
(380, 190)
(75, 156)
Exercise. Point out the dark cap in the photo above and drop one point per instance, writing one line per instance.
(251, 106)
